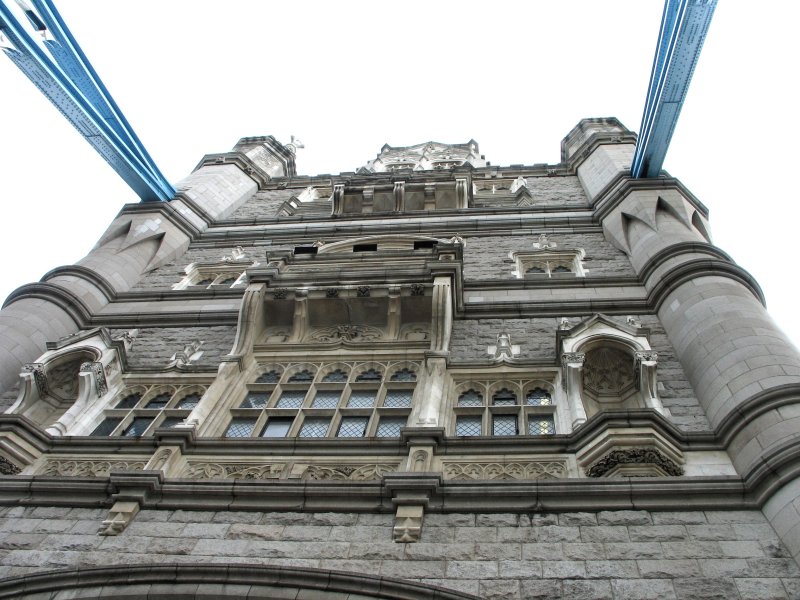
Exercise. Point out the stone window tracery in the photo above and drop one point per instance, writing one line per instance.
(344, 400)
(504, 408)
(548, 264)
(140, 411)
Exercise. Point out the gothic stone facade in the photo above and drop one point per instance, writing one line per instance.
(430, 378)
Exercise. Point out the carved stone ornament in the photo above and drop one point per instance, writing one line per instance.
(648, 356)
(503, 349)
(280, 294)
(88, 468)
(331, 293)
(118, 518)
(237, 254)
(38, 376)
(544, 243)
(633, 321)
(346, 333)
(408, 524)
(362, 291)
(190, 354)
(634, 456)
(417, 289)
(347, 472)
(608, 372)
(8, 468)
(564, 324)
(99, 375)
(515, 470)
(569, 358)
(233, 471)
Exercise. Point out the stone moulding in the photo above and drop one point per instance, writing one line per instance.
(233, 471)
(513, 470)
(347, 472)
(89, 468)
(263, 582)
(649, 459)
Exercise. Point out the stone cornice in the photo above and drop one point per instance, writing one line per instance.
(595, 141)
(622, 185)
(237, 159)
(556, 308)
(682, 248)
(693, 269)
(64, 299)
(169, 212)
(80, 272)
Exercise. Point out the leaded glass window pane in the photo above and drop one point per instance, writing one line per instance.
(159, 401)
(353, 427)
(504, 397)
(255, 400)
(404, 375)
(291, 400)
(541, 425)
(504, 424)
(269, 377)
(468, 425)
(189, 401)
(106, 427)
(535, 270)
(240, 427)
(227, 281)
(390, 426)
(315, 427)
(205, 281)
(562, 269)
(337, 376)
(129, 401)
(171, 421)
(326, 399)
(361, 399)
(277, 427)
(138, 426)
(398, 398)
(369, 375)
(301, 377)
(470, 398)
(539, 397)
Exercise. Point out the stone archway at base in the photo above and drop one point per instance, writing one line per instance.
(215, 581)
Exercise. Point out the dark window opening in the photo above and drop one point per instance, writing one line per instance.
(305, 250)
(425, 245)
(365, 247)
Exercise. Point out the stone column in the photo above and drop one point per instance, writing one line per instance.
(141, 238)
(743, 369)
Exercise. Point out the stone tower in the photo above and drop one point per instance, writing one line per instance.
(431, 377)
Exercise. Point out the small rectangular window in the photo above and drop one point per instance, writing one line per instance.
(138, 426)
(365, 247)
(326, 400)
(504, 425)
(239, 428)
(541, 425)
(353, 427)
(305, 250)
(291, 400)
(277, 427)
(468, 425)
(314, 428)
(255, 400)
(106, 427)
(390, 426)
(361, 399)
(398, 398)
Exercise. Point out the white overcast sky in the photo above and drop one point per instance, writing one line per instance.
(346, 77)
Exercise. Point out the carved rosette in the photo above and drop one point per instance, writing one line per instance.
(347, 472)
(646, 457)
(233, 471)
(88, 468)
(515, 470)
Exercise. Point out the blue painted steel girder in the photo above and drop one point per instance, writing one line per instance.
(684, 25)
(73, 86)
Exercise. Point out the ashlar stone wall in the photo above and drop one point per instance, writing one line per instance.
(621, 555)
